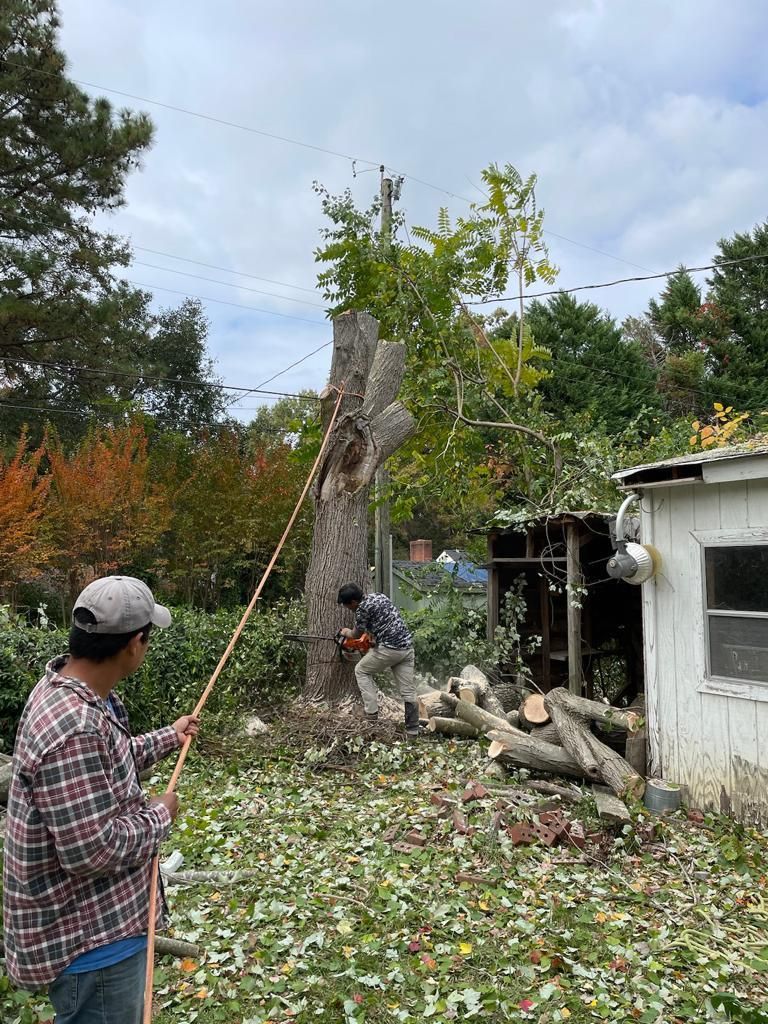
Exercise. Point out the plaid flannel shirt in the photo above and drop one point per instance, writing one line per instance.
(80, 835)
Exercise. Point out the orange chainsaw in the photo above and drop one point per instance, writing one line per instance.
(346, 646)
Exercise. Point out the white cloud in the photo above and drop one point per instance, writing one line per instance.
(647, 124)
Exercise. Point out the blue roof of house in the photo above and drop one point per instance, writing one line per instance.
(427, 575)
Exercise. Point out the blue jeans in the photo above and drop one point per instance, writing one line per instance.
(112, 995)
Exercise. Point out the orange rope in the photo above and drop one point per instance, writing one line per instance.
(149, 981)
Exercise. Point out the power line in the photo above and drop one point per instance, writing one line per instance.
(225, 302)
(227, 284)
(372, 164)
(612, 284)
(227, 270)
(67, 368)
(303, 358)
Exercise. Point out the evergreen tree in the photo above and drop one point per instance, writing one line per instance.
(594, 369)
(739, 293)
(65, 157)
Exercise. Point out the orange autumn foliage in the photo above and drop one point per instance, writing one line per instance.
(25, 548)
(105, 512)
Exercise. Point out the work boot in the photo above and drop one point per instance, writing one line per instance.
(411, 720)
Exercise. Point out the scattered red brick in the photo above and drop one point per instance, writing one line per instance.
(696, 815)
(415, 838)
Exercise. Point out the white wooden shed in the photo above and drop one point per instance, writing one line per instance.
(705, 625)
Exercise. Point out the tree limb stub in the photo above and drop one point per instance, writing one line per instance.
(385, 377)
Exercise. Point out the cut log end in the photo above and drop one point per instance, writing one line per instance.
(468, 694)
(532, 710)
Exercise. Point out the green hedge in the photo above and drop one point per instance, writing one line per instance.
(263, 668)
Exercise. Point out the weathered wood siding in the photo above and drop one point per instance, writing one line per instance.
(708, 741)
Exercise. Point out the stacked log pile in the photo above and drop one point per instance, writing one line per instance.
(549, 732)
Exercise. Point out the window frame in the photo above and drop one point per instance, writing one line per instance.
(726, 686)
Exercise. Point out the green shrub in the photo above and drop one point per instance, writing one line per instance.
(263, 669)
(447, 636)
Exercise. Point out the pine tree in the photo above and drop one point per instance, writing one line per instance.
(63, 158)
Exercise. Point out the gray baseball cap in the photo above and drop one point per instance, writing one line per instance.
(120, 604)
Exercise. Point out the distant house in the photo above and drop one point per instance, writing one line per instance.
(419, 580)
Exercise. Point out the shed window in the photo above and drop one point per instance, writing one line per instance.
(737, 611)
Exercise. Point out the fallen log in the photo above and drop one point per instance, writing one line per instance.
(521, 751)
(624, 719)
(532, 711)
(548, 733)
(176, 947)
(513, 718)
(209, 877)
(482, 720)
(477, 682)
(571, 794)
(437, 704)
(452, 727)
(5, 758)
(511, 695)
(598, 762)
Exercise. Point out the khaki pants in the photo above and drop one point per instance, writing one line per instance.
(378, 659)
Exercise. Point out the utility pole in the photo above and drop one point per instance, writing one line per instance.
(382, 523)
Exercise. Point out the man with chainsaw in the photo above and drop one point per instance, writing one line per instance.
(376, 616)
(80, 835)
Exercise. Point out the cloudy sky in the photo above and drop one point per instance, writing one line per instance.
(646, 123)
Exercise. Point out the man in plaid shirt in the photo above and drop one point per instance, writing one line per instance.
(80, 835)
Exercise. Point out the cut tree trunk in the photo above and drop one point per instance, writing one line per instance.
(522, 751)
(437, 703)
(368, 430)
(453, 727)
(623, 719)
(480, 719)
(599, 762)
(532, 711)
(548, 733)
(514, 719)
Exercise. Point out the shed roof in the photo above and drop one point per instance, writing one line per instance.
(689, 467)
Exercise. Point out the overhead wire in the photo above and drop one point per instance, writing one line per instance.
(613, 284)
(226, 302)
(225, 270)
(353, 160)
(133, 374)
(227, 284)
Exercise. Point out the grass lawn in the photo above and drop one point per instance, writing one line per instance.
(339, 926)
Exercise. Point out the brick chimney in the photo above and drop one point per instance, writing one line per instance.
(421, 550)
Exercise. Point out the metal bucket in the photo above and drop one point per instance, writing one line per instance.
(662, 797)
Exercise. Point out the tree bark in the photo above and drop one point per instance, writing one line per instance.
(522, 751)
(452, 727)
(437, 704)
(623, 719)
(548, 733)
(370, 427)
(480, 719)
(510, 694)
(475, 688)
